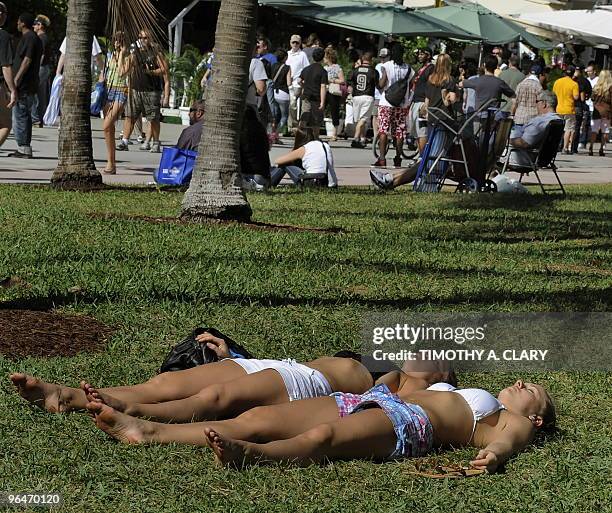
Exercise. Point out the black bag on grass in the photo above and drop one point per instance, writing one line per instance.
(190, 353)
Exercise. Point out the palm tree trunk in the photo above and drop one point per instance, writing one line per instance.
(215, 191)
(76, 168)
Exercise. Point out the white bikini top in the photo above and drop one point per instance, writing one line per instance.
(481, 402)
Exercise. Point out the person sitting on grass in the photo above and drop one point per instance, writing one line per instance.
(315, 156)
(217, 390)
(389, 421)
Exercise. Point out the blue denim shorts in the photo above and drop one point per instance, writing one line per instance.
(116, 95)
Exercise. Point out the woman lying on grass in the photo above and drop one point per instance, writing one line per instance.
(216, 390)
(378, 424)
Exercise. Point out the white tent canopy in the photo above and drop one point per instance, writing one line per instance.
(591, 26)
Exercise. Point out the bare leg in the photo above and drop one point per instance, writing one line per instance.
(223, 400)
(111, 114)
(128, 127)
(168, 386)
(405, 175)
(4, 133)
(382, 145)
(264, 423)
(422, 142)
(366, 434)
(154, 130)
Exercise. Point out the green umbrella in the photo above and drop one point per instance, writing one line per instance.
(375, 18)
(486, 25)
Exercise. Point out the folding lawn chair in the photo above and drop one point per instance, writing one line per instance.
(542, 157)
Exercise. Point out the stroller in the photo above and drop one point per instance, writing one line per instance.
(455, 152)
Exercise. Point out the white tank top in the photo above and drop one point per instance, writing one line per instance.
(481, 402)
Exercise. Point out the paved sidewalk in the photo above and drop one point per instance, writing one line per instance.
(137, 167)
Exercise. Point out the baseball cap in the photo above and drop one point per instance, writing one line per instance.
(384, 52)
(570, 70)
(536, 69)
(3, 9)
(296, 37)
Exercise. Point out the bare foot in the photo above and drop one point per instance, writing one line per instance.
(228, 452)
(95, 396)
(49, 396)
(120, 426)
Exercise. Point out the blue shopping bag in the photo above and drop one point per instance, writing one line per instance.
(98, 99)
(175, 167)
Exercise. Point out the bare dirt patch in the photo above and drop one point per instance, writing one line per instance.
(34, 333)
(249, 224)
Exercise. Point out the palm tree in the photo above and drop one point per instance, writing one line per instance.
(76, 168)
(215, 190)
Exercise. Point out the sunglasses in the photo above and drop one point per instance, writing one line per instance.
(196, 110)
(295, 42)
(538, 101)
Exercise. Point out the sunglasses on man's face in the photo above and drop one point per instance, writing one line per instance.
(195, 110)
(295, 42)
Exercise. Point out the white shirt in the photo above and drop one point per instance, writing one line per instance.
(297, 61)
(394, 74)
(95, 47)
(593, 81)
(257, 71)
(376, 91)
(314, 161)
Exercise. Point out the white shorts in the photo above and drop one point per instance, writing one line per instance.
(363, 106)
(600, 124)
(414, 126)
(301, 382)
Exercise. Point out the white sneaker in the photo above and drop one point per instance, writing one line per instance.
(155, 147)
(145, 146)
(141, 139)
(381, 179)
(581, 146)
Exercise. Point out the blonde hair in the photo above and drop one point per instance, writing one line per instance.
(331, 55)
(604, 83)
(442, 70)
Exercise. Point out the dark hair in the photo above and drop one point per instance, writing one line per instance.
(570, 70)
(312, 39)
(305, 131)
(27, 18)
(471, 67)
(397, 54)
(198, 104)
(514, 60)
(281, 55)
(490, 63)
(265, 41)
(318, 54)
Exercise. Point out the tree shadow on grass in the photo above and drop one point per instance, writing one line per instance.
(583, 299)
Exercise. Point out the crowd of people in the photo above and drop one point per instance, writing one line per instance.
(290, 90)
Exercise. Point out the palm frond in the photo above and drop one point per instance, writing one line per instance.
(132, 16)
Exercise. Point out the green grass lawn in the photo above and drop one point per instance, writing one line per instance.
(298, 294)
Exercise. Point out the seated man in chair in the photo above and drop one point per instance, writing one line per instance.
(530, 135)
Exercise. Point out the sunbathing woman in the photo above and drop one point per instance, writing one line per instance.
(217, 390)
(378, 425)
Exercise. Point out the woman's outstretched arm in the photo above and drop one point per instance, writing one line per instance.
(511, 441)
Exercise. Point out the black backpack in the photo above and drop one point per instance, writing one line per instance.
(190, 353)
(396, 93)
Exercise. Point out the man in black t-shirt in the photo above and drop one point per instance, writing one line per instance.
(417, 126)
(8, 92)
(364, 80)
(41, 23)
(314, 87)
(582, 109)
(25, 67)
(149, 75)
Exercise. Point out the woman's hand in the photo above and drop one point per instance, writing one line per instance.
(218, 345)
(486, 460)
